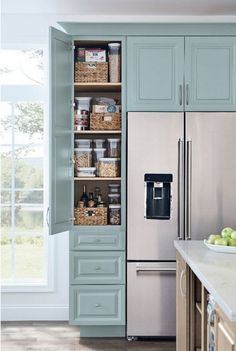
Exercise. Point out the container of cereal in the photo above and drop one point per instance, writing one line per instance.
(113, 147)
(114, 62)
(109, 167)
(83, 158)
(114, 199)
(114, 214)
(114, 188)
(98, 153)
(82, 143)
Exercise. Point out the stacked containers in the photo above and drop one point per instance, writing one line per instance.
(114, 204)
(82, 111)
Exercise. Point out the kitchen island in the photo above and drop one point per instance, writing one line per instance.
(201, 272)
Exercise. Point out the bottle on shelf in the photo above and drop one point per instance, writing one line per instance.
(91, 202)
(97, 192)
(84, 197)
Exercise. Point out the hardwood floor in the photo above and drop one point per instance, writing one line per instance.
(59, 336)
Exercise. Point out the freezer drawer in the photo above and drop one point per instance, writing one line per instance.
(97, 267)
(151, 299)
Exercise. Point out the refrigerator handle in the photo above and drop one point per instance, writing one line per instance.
(188, 188)
(180, 95)
(180, 189)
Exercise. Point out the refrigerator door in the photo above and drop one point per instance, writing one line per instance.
(211, 169)
(151, 299)
(152, 148)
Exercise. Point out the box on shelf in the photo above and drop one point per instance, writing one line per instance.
(106, 108)
(95, 55)
(105, 121)
(91, 72)
(91, 215)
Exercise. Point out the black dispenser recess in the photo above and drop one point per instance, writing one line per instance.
(157, 195)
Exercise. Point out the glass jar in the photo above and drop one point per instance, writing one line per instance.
(114, 214)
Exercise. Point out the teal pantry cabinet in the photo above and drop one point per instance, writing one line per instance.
(181, 73)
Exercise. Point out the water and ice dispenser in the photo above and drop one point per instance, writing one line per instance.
(157, 195)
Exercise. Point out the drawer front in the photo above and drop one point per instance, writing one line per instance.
(97, 267)
(97, 241)
(97, 305)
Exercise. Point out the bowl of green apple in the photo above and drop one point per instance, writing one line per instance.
(224, 242)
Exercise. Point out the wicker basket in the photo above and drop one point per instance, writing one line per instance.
(86, 72)
(91, 216)
(105, 121)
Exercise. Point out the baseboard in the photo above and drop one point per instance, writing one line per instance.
(35, 313)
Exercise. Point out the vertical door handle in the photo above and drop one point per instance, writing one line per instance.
(187, 94)
(180, 189)
(180, 94)
(182, 291)
(188, 188)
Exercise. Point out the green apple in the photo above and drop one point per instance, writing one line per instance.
(232, 242)
(221, 241)
(226, 232)
(212, 238)
(233, 235)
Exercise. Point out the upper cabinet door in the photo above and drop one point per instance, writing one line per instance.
(155, 67)
(60, 198)
(210, 74)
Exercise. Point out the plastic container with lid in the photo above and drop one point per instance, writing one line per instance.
(85, 172)
(113, 147)
(98, 154)
(114, 199)
(83, 158)
(99, 143)
(82, 143)
(83, 103)
(114, 188)
(109, 167)
(114, 62)
(114, 214)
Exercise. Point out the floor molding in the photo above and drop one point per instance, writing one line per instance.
(35, 313)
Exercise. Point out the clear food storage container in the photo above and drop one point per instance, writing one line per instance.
(83, 103)
(114, 199)
(114, 62)
(109, 167)
(114, 214)
(99, 143)
(113, 147)
(82, 143)
(85, 172)
(83, 158)
(114, 188)
(98, 153)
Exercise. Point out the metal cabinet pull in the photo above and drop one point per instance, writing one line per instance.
(97, 305)
(180, 188)
(183, 272)
(188, 188)
(180, 94)
(187, 94)
(153, 269)
(97, 268)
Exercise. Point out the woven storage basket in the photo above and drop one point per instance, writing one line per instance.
(88, 72)
(91, 216)
(105, 121)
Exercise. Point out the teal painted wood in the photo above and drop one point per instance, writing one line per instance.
(155, 71)
(97, 267)
(102, 332)
(210, 73)
(97, 305)
(98, 241)
(60, 132)
(151, 29)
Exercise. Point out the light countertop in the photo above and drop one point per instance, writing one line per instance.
(216, 271)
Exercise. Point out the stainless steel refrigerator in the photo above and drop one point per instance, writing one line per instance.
(181, 185)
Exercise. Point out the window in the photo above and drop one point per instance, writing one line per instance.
(24, 235)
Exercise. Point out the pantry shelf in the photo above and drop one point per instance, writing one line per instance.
(84, 132)
(104, 87)
(97, 178)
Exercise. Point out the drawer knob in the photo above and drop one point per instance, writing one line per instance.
(97, 240)
(97, 268)
(97, 305)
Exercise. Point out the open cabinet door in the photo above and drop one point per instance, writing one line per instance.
(60, 137)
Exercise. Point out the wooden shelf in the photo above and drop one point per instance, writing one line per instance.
(199, 307)
(96, 178)
(88, 132)
(104, 87)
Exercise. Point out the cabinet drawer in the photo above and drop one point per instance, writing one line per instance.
(97, 267)
(97, 241)
(97, 305)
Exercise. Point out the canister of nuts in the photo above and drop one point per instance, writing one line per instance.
(114, 214)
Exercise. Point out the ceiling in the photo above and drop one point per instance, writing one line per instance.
(122, 7)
